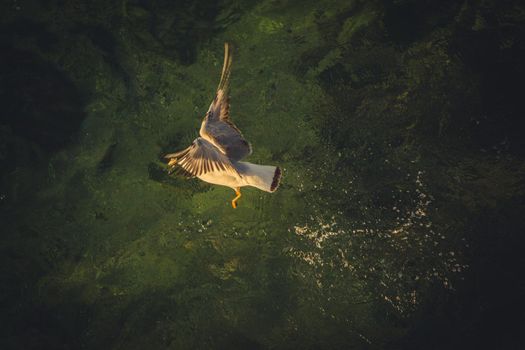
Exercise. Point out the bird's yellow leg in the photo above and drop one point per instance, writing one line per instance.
(238, 193)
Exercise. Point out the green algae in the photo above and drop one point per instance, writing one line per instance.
(370, 223)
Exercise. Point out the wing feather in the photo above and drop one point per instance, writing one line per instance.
(217, 126)
(201, 157)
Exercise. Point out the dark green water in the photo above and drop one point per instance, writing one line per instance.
(399, 221)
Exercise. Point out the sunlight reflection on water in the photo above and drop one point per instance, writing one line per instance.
(392, 261)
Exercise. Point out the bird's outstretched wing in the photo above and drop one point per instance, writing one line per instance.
(217, 126)
(200, 158)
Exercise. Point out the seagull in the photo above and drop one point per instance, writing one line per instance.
(215, 157)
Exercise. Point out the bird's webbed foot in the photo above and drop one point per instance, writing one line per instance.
(234, 201)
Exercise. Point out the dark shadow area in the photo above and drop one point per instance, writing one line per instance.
(41, 113)
(24, 28)
(407, 21)
(486, 311)
(493, 52)
(41, 108)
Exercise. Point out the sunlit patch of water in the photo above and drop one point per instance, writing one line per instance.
(394, 260)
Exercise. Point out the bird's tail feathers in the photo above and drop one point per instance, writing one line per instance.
(264, 177)
(276, 179)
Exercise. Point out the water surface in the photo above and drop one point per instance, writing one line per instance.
(398, 128)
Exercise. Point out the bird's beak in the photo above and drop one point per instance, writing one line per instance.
(171, 165)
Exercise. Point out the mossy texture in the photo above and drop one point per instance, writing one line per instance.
(401, 148)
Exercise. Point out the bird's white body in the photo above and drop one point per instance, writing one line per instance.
(249, 174)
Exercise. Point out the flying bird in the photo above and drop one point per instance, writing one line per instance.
(215, 157)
